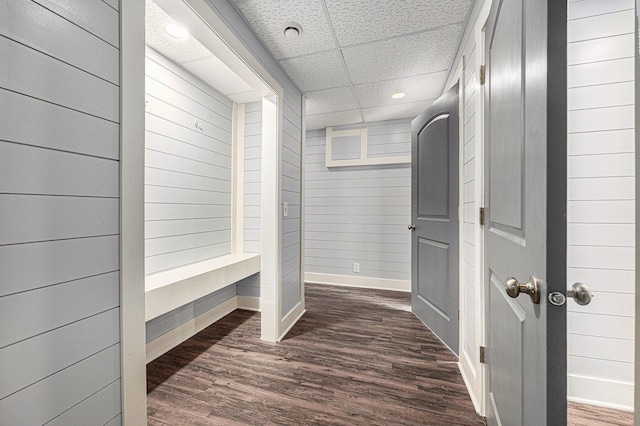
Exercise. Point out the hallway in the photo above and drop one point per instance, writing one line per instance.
(357, 356)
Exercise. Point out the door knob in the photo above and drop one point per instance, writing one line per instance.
(532, 288)
(580, 293)
(411, 227)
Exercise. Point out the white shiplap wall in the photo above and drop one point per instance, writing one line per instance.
(359, 214)
(59, 207)
(291, 190)
(252, 176)
(252, 191)
(291, 140)
(601, 193)
(469, 300)
(188, 167)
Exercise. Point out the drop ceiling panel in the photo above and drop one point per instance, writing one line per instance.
(416, 88)
(320, 121)
(406, 110)
(364, 21)
(318, 71)
(338, 99)
(268, 19)
(354, 54)
(422, 53)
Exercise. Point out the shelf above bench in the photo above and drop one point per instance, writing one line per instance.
(168, 290)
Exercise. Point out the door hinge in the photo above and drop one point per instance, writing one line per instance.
(482, 212)
(458, 315)
(483, 354)
(483, 70)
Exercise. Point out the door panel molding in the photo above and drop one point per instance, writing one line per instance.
(435, 195)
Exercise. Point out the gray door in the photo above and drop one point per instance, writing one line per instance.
(525, 184)
(434, 212)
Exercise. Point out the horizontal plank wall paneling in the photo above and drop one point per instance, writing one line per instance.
(291, 148)
(250, 287)
(164, 323)
(188, 168)
(252, 179)
(601, 219)
(291, 189)
(59, 212)
(470, 252)
(359, 214)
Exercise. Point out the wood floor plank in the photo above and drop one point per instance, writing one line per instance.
(590, 415)
(358, 356)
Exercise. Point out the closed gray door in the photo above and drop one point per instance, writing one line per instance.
(525, 188)
(434, 212)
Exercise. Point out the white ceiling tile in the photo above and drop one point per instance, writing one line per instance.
(416, 88)
(318, 71)
(408, 110)
(416, 54)
(268, 19)
(158, 39)
(338, 99)
(320, 121)
(367, 20)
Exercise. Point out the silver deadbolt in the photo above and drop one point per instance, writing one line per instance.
(532, 288)
(556, 298)
(579, 292)
(411, 227)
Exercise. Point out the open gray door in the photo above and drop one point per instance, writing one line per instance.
(525, 189)
(434, 213)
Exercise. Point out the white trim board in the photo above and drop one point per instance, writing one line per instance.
(249, 303)
(132, 129)
(168, 290)
(361, 282)
(292, 318)
(602, 393)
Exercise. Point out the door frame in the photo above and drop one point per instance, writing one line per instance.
(472, 370)
(228, 46)
(637, 221)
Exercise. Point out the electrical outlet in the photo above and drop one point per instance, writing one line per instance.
(285, 209)
(356, 267)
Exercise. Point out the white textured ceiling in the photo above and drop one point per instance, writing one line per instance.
(194, 57)
(352, 55)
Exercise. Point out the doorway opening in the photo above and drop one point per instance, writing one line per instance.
(198, 189)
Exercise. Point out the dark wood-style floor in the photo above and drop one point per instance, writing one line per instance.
(589, 415)
(356, 357)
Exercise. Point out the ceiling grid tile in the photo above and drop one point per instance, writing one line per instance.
(369, 20)
(353, 55)
(269, 17)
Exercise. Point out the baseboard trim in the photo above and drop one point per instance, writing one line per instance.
(467, 373)
(173, 338)
(249, 303)
(602, 393)
(291, 319)
(361, 282)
